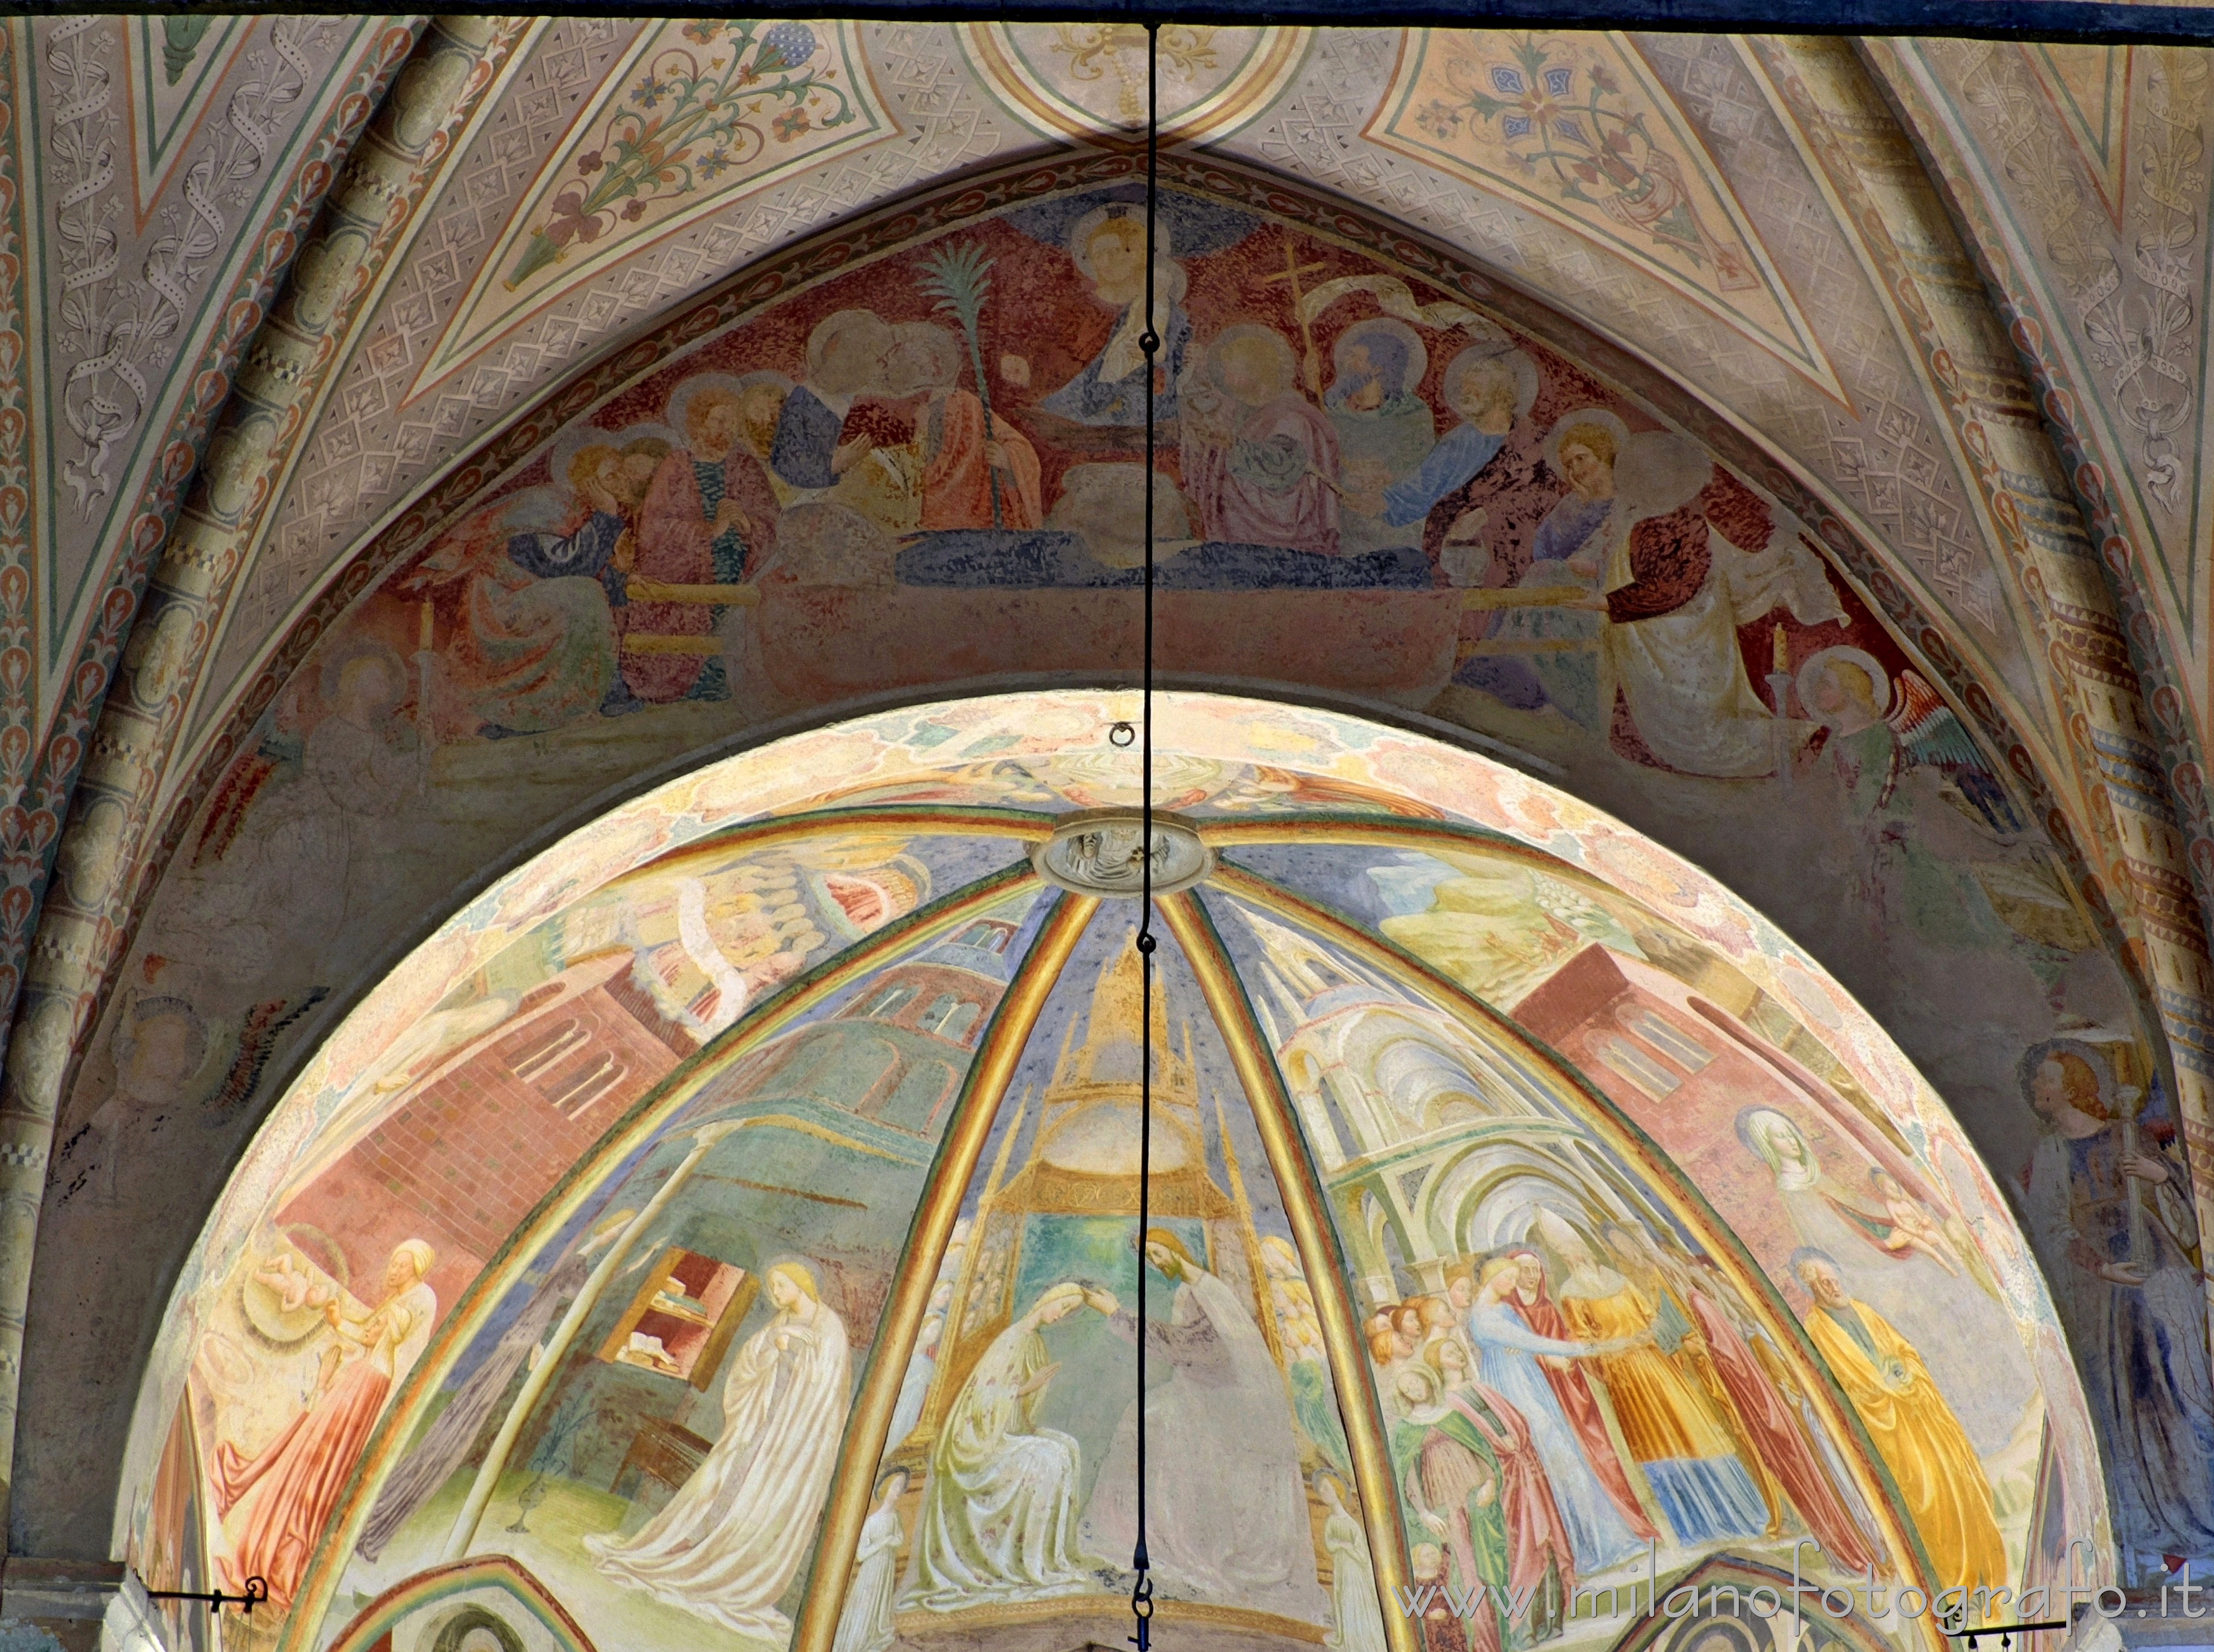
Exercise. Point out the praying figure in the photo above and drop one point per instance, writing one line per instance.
(865, 1623)
(1356, 1619)
(731, 1542)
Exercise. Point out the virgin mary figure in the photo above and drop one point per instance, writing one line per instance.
(1226, 1508)
(730, 1542)
(998, 1518)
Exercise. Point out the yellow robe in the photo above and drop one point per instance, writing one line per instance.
(1939, 1477)
(1665, 1417)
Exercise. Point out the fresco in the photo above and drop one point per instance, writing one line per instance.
(926, 465)
(1538, 1310)
(418, 1171)
(1580, 130)
(1006, 1490)
(1912, 866)
(756, 1163)
(1077, 80)
(694, 115)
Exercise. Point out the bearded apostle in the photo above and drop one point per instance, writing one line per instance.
(285, 1496)
(864, 1623)
(1939, 1477)
(1775, 1446)
(1260, 461)
(709, 511)
(978, 470)
(999, 1515)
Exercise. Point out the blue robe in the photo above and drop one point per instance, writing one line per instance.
(589, 552)
(1460, 453)
(806, 440)
(1567, 680)
(1508, 1351)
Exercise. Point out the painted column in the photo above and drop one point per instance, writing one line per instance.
(871, 1419)
(2137, 848)
(1273, 1113)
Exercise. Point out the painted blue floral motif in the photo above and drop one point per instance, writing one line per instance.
(1601, 150)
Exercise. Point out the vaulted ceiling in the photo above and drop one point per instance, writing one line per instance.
(303, 320)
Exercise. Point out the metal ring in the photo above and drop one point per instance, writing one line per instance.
(1122, 733)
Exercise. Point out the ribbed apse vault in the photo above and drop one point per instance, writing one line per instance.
(727, 1223)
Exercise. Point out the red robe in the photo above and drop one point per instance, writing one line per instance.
(1537, 1536)
(295, 1484)
(1778, 1440)
(1571, 1389)
(665, 646)
(956, 482)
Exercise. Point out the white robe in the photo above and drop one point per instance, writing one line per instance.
(730, 1542)
(1358, 1618)
(865, 1624)
(1684, 673)
(1226, 1507)
(999, 1512)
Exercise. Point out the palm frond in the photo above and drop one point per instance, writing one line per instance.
(959, 279)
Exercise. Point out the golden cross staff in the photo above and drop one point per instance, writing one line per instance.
(1312, 365)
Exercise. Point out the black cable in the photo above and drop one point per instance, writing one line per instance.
(1149, 341)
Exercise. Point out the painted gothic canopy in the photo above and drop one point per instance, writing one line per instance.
(724, 1230)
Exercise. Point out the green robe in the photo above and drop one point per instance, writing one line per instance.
(1487, 1522)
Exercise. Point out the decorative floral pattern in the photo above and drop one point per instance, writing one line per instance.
(695, 113)
(1591, 144)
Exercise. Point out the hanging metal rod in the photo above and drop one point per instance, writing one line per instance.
(2088, 22)
(257, 1591)
(2006, 1632)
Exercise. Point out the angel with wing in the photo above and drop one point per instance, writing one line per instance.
(1852, 696)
